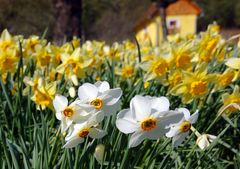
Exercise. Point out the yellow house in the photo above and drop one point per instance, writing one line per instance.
(181, 18)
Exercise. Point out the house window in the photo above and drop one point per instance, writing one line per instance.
(173, 26)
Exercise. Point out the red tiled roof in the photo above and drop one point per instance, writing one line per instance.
(183, 7)
(180, 7)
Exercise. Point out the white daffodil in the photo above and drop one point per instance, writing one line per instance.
(148, 117)
(100, 96)
(180, 130)
(204, 140)
(70, 113)
(88, 128)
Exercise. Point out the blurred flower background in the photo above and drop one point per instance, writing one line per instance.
(101, 19)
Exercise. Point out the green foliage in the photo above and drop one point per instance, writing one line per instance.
(31, 138)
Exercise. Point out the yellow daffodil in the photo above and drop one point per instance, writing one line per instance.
(43, 95)
(43, 55)
(225, 79)
(174, 78)
(155, 69)
(227, 99)
(181, 57)
(126, 72)
(74, 64)
(194, 84)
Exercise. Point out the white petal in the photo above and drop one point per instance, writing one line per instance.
(211, 138)
(140, 107)
(60, 102)
(160, 103)
(77, 127)
(87, 91)
(125, 113)
(97, 133)
(136, 139)
(112, 96)
(193, 117)
(185, 112)
(84, 105)
(73, 142)
(96, 118)
(79, 118)
(233, 63)
(110, 110)
(156, 133)
(172, 132)
(59, 115)
(102, 86)
(125, 123)
(170, 119)
(178, 139)
(65, 124)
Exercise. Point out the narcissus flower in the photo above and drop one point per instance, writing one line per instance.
(181, 130)
(69, 113)
(44, 94)
(204, 140)
(193, 84)
(74, 64)
(181, 57)
(100, 96)
(227, 99)
(155, 69)
(82, 130)
(148, 117)
(224, 79)
(126, 72)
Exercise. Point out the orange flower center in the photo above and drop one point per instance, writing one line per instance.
(185, 126)
(148, 124)
(97, 103)
(182, 60)
(127, 71)
(198, 87)
(83, 133)
(68, 112)
(226, 79)
(160, 67)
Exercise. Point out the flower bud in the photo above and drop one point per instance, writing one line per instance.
(72, 92)
(99, 153)
(204, 140)
(74, 79)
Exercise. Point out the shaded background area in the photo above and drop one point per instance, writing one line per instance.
(100, 19)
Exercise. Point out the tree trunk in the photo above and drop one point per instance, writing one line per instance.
(76, 17)
(68, 20)
(62, 15)
(162, 13)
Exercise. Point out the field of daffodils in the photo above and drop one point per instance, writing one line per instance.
(121, 105)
